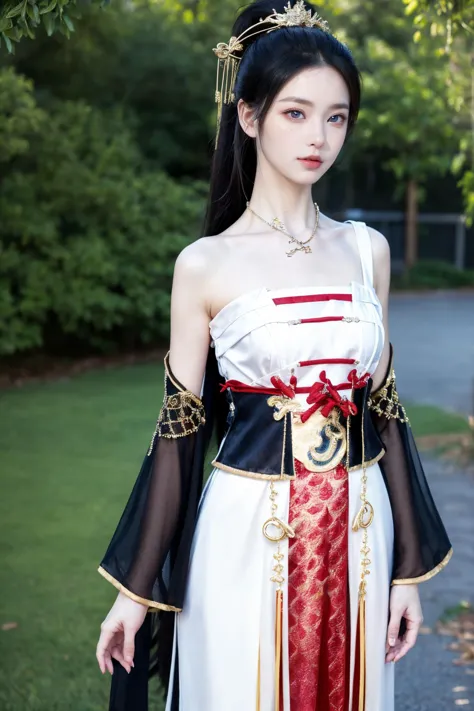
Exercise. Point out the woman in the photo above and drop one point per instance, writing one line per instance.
(291, 580)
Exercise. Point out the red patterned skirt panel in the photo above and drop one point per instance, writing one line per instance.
(318, 602)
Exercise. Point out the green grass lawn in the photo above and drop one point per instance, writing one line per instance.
(430, 420)
(70, 453)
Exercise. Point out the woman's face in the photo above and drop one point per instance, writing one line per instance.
(308, 117)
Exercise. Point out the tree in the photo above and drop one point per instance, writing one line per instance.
(405, 121)
(406, 112)
(87, 237)
(21, 19)
(158, 70)
(451, 23)
(443, 18)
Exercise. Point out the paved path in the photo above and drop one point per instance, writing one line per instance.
(433, 337)
(426, 677)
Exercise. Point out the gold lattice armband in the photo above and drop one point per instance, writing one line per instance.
(385, 401)
(182, 412)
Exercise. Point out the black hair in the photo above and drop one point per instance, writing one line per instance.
(269, 60)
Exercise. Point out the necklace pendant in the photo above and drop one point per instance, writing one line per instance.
(305, 248)
(277, 224)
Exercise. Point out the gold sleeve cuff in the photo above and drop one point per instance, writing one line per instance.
(151, 604)
(385, 401)
(181, 414)
(426, 576)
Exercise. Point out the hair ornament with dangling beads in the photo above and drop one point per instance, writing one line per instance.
(228, 61)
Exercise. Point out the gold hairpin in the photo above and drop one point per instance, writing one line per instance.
(228, 61)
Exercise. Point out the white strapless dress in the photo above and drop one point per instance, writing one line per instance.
(225, 633)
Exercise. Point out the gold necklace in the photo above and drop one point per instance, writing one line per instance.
(278, 225)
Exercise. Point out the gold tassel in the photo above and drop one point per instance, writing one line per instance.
(362, 659)
(363, 520)
(257, 705)
(283, 531)
(278, 645)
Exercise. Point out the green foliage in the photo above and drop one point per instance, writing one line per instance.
(406, 113)
(159, 73)
(467, 185)
(88, 238)
(21, 19)
(20, 118)
(443, 18)
(98, 160)
(428, 274)
(447, 26)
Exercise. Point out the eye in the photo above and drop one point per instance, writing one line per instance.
(341, 116)
(294, 111)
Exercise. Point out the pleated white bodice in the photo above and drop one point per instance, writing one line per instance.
(266, 332)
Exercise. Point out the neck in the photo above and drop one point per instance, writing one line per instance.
(274, 195)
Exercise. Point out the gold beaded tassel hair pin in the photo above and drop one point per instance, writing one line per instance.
(228, 61)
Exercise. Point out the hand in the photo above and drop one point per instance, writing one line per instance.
(118, 630)
(404, 602)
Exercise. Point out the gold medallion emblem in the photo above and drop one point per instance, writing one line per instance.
(320, 442)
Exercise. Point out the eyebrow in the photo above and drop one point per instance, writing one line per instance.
(299, 100)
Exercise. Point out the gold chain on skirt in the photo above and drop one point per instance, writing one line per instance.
(363, 520)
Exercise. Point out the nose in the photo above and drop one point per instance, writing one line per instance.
(317, 133)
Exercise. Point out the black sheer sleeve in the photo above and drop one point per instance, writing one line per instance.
(146, 551)
(148, 555)
(422, 547)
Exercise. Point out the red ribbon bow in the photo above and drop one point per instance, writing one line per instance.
(323, 395)
(357, 382)
(288, 390)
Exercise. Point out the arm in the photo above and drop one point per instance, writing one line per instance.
(147, 557)
(421, 545)
(381, 259)
(189, 333)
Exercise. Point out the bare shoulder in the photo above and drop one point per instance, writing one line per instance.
(195, 262)
(194, 259)
(380, 245)
(328, 223)
(193, 271)
(381, 259)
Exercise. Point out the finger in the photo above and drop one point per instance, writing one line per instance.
(108, 662)
(393, 651)
(404, 648)
(409, 640)
(128, 645)
(394, 626)
(102, 645)
(116, 653)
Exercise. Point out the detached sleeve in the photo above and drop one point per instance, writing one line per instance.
(147, 558)
(422, 547)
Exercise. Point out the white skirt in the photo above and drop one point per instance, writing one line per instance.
(229, 608)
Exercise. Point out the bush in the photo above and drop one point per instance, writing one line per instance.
(87, 238)
(434, 275)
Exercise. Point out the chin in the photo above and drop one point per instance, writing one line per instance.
(308, 179)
